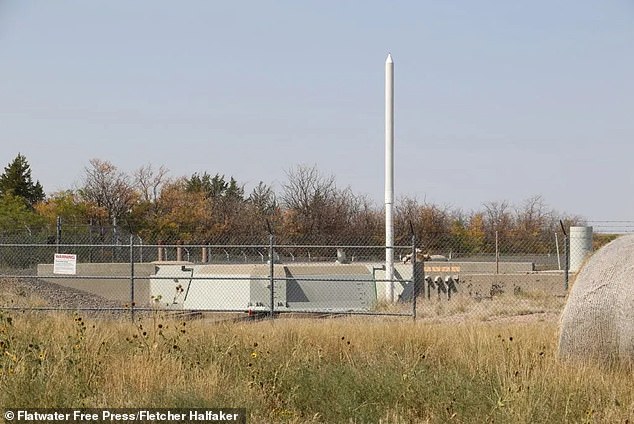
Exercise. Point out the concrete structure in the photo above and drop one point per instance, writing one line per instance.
(481, 276)
(108, 280)
(314, 286)
(298, 287)
(580, 246)
(216, 287)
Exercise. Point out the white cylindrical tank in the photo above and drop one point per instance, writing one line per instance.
(580, 246)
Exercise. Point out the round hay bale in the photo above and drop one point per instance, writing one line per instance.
(597, 323)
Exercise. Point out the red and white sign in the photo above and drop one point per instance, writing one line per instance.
(65, 263)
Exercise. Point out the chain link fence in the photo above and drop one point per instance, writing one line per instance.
(431, 279)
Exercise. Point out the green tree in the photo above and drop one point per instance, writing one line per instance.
(200, 184)
(263, 199)
(234, 191)
(214, 187)
(16, 217)
(17, 180)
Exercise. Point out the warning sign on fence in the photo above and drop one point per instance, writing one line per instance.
(65, 263)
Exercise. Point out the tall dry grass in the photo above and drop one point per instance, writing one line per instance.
(463, 307)
(363, 370)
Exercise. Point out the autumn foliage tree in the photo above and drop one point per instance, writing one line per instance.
(181, 215)
(74, 213)
(207, 208)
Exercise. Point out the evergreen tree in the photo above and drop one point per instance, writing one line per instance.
(215, 187)
(17, 181)
(263, 199)
(201, 184)
(233, 190)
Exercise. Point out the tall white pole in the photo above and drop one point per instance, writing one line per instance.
(389, 177)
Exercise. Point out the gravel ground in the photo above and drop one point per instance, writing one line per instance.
(33, 292)
(26, 293)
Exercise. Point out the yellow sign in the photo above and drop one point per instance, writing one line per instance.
(446, 268)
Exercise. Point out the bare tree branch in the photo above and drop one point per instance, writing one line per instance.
(107, 187)
(149, 182)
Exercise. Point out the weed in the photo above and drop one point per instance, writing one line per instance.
(309, 371)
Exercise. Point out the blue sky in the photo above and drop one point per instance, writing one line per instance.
(494, 100)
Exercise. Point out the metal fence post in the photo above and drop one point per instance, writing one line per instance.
(567, 253)
(272, 273)
(132, 277)
(58, 234)
(90, 240)
(497, 254)
(140, 249)
(567, 272)
(414, 277)
(115, 240)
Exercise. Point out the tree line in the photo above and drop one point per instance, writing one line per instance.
(309, 208)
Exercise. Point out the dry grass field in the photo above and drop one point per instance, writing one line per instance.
(456, 366)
